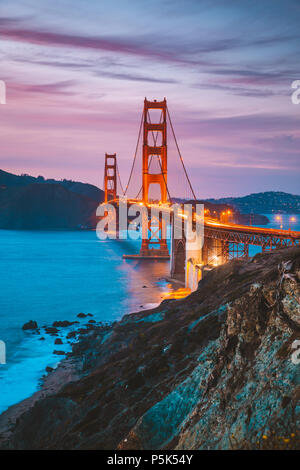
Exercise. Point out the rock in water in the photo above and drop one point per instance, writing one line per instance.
(63, 323)
(31, 325)
(51, 330)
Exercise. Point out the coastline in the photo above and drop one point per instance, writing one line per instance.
(70, 272)
(65, 372)
(141, 382)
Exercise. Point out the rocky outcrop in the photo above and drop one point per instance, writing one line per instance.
(30, 325)
(211, 371)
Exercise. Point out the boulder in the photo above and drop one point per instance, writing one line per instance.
(81, 315)
(63, 323)
(31, 325)
(72, 334)
(51, 330)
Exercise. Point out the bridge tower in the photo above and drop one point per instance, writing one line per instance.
(110, 177)
(149, 151)
(154, 233)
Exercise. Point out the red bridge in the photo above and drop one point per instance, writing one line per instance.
(220, 242)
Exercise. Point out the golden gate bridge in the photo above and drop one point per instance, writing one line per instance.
(222, 240)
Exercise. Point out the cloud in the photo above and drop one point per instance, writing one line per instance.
(135, 78)
(236, 130)
(136, 47)
(165, 47)
(284, 142)
(242, 91)
(56, 88)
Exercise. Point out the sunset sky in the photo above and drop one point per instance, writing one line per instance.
(77, 73)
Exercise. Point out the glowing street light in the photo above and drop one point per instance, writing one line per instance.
(279, 219)
(291, 220)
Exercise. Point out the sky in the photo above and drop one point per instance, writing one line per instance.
(77, 73)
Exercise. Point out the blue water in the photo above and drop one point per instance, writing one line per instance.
(279, 221)
(48, 276)
(285, 220)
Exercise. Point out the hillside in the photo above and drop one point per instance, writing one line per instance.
(35, 203)
(263, 203)
(215, 209)
(206, 372)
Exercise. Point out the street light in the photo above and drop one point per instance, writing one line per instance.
(291, 220)
(279, 219)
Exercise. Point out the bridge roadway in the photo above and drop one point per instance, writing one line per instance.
(235, 233)
(230, 232)
(251, 235)
(221, 242)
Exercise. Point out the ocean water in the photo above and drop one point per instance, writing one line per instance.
(284, 221)
(49, 276)
(279, 221)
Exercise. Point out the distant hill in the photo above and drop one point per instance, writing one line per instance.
(9, 179)
(263, 203)
(216, 208)
(27, 202)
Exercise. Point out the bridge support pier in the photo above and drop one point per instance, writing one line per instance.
(154, 232)
(186, 258)
(215, 252)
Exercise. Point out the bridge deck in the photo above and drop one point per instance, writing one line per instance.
(211, 223)
(243, 230)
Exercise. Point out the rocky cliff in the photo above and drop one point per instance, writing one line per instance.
(216, 370)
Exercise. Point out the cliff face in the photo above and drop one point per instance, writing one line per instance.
(211, 371)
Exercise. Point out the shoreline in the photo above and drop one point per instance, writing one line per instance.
(69, 369)
(64, 373)
(43, 383)
(109, 288)
(183, 375)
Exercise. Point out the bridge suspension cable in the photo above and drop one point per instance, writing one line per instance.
(180, 156)
(135, 155)
(155, 137)
(119, 179)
